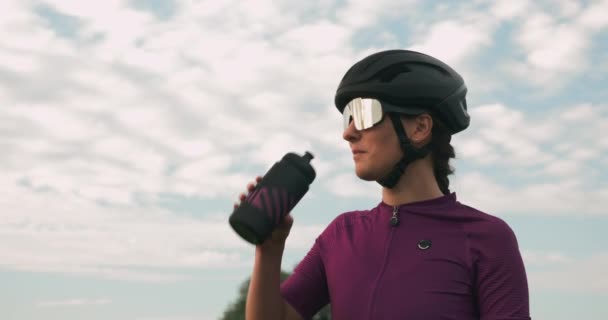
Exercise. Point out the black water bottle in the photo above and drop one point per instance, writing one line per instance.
(275, 195)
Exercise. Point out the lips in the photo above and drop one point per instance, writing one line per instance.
(356, 151)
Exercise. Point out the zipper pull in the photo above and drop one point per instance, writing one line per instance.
(394, 218)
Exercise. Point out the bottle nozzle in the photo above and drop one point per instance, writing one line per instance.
(308, 156)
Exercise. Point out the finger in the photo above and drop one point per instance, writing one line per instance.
(286, 223)
(288, 220)
(242, 197)
(250, 186)
(258, 179)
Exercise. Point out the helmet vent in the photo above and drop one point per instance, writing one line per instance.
(390, 73)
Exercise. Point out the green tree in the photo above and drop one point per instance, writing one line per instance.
(236, 310)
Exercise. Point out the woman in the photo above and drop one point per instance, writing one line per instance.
(419, 254)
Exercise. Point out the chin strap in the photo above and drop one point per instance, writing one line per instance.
(410, 154)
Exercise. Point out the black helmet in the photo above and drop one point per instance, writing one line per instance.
(413, 80)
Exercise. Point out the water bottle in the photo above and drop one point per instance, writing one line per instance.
(273, 198)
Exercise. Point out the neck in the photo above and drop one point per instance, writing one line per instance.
(417, 184)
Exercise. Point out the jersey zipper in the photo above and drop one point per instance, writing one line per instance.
(393, 222)
(395, 218)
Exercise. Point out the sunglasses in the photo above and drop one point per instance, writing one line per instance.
(367, 112)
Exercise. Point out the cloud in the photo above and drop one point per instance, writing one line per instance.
(559, 272)
(99, 124)
(550, 64)
(560, 138)
(46, 231)
(152, 101)
(73, 302)
(544, 53)
(132, 114)
(591, 16)
(359, 14)
(453, 41)
(509, 9)
(520, 163)
(302, 237)
(305, 40)
(538, 198)
(348, 185)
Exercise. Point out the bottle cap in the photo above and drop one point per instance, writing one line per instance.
(308, 156)
(303, 164)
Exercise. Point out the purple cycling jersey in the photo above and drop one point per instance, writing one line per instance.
(443, 260)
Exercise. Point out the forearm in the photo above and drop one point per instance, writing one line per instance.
(264, 301)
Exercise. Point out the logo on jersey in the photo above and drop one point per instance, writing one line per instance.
(424, 244)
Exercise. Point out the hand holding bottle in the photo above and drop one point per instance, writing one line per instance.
(280, 234)
(266, 206)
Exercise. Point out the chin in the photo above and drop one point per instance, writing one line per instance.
(372, 173)
(367, 175)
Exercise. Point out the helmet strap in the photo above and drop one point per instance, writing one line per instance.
(410, 154)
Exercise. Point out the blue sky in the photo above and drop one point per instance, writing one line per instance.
(129, 128)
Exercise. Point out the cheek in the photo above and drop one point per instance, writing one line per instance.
(387, 150)
(389, 141)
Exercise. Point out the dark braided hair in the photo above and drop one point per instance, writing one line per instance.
(441, 153)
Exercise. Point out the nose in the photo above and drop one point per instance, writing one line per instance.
(351, 133)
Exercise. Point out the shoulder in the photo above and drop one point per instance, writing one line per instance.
(489, 233)
(347, 219)
(485, 222)
(344, 221)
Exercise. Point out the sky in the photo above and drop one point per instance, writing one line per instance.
(129, 127)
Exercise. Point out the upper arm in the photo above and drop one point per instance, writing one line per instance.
(501, 281)
(305, 290)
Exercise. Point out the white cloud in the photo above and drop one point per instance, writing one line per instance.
(348, 185)
(319, 38)
(579, 113)
(18, 62)
(73, 302)
(544, 53)
(54, 231)
(134, 107)
(545, 259)
(561, 272)
(556, 45)
(592, 16)
(569, 8)
(273, 148)
(537, 197)
(508, 9)
(358, 14)
(453, 41)
(560, 138)
(119, 24)
(57, 122)
(553, 155)
(142, 244)
(503, 136)
(302, 237)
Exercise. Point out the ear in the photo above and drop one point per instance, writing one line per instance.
(419, 129)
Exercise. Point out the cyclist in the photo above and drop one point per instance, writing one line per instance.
(418, 254)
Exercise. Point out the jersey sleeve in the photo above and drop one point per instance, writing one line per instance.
(306, 288)
(501, 283)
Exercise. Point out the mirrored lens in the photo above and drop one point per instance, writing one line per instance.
(347, 116)
(365, 113)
